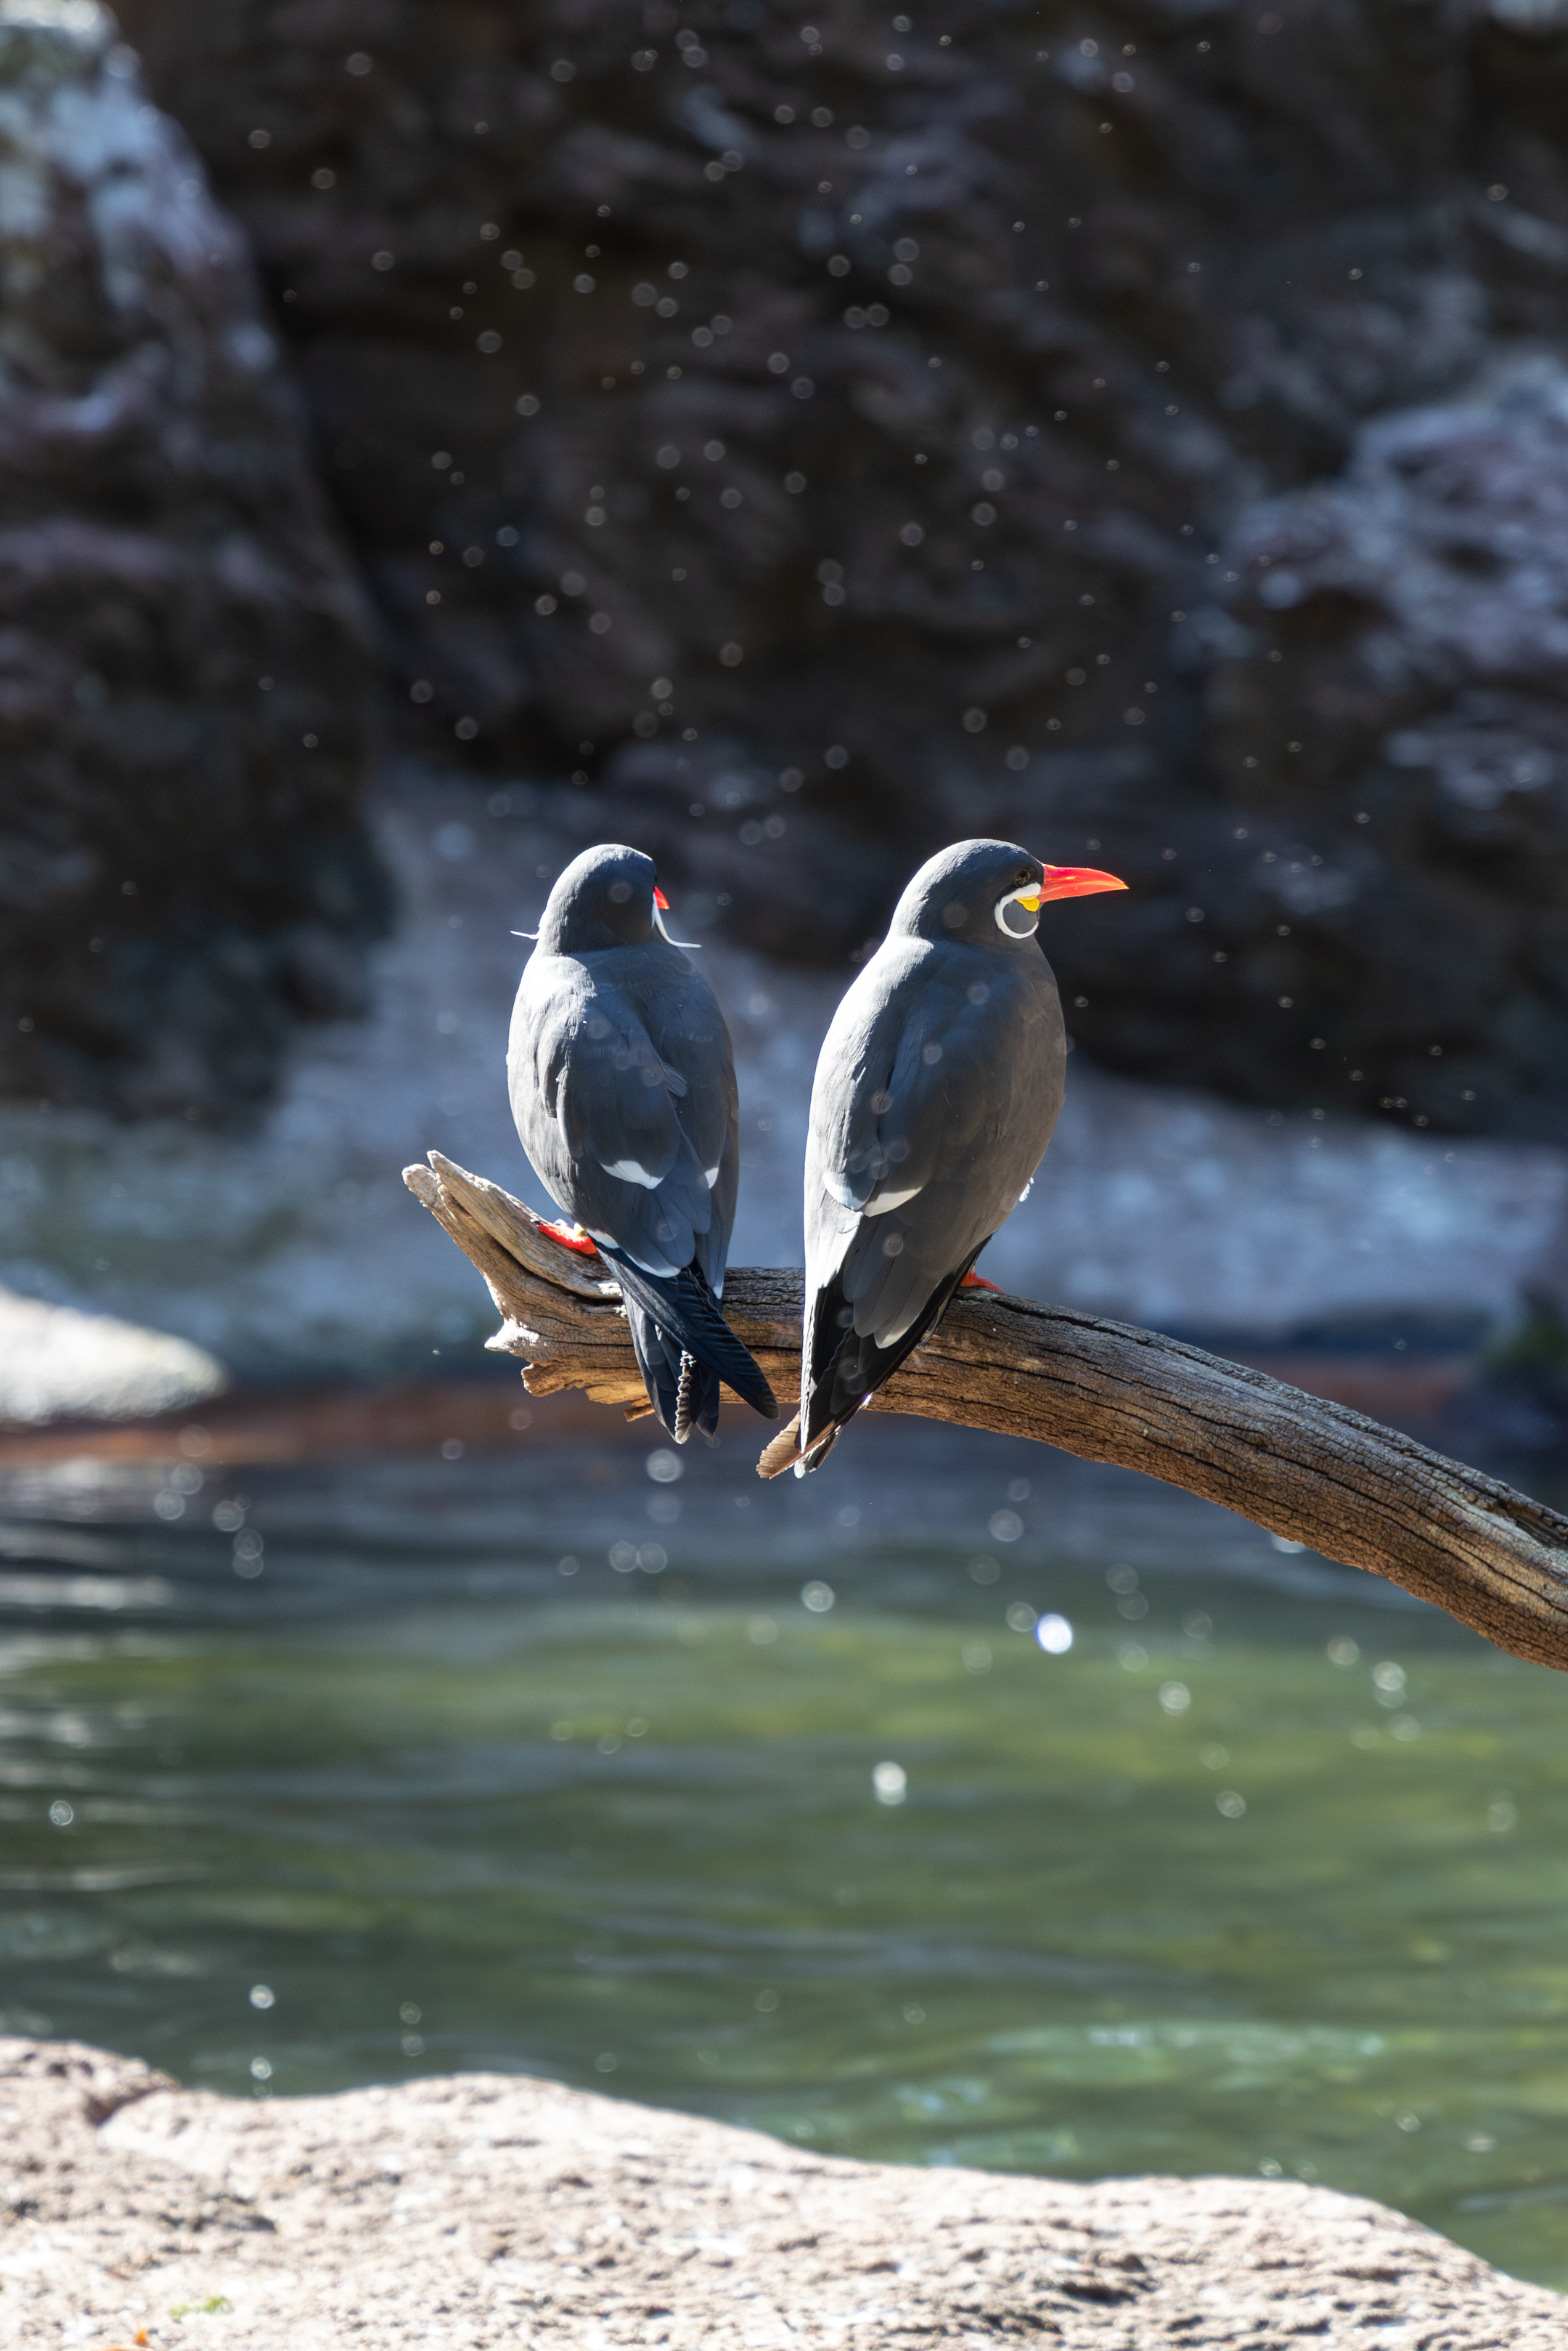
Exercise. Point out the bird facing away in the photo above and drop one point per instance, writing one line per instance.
(937, 1088)
(622, 1086)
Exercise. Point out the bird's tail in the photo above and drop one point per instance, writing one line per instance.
(684, 1348)
(682, 1392)
(853, 1370)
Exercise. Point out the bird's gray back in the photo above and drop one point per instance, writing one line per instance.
(966, 1051)
(620, 1057)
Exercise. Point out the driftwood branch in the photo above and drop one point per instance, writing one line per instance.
(1302, 1468)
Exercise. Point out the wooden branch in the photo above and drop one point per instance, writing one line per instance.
(1306, 1469)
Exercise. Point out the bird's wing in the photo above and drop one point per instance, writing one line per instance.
(847, 1148)
(912, 1072)
(932, 1108)
(688, 1029)
(598, 1108)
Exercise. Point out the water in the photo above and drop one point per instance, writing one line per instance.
(411, 1800)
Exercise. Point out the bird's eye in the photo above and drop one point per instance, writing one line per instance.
(619, 893)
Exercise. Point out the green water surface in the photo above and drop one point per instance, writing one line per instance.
(1263, 1874)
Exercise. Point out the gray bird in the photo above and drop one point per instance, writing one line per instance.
(622, 1086)
(937, 1088)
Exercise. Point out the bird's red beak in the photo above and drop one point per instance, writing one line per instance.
(662, 904)
(1076, 881)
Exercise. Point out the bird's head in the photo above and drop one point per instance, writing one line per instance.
(607, 897)
(988, 894)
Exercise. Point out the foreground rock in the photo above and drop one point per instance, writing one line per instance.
(485, 2210)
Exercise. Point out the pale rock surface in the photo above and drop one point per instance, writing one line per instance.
(484, 2211)
(55, 1362)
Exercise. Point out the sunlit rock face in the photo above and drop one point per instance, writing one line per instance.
(824, 433)
(1407, 622)
(183, 658)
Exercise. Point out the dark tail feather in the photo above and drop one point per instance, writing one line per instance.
(696, 1400)
(659, 1362)
(858, 1367)
(672, 1320)
(682, 1392)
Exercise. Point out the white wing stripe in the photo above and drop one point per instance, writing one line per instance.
(883, 1201)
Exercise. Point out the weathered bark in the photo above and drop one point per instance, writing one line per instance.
(1302, 1468)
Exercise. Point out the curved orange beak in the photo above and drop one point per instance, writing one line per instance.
(1076, 881)
(662, 904)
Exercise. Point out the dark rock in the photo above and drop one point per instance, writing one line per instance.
(183, 655)
(1026, 421)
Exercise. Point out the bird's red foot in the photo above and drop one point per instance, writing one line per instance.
(973, 1280)
(572, 1237)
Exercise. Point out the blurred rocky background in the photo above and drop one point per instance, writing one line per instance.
(184, 649)
(432, 439)
(1140, 425)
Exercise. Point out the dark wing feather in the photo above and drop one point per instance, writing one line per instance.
(936, 1093)
(622, 1085)
(599, 1112)
(687, 1030)
(855, 1366)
